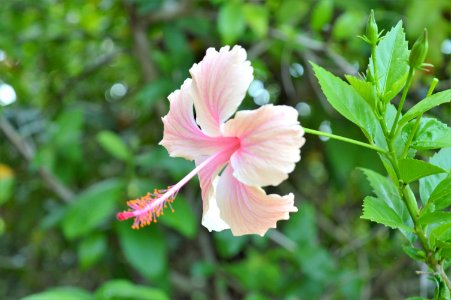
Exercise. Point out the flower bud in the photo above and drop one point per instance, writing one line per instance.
(419, 51)
(371, 29)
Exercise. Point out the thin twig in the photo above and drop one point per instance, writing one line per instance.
(171, 10)
(28, 153)
(287, 82)
(282, 240)
(315, 45)
(209, 255)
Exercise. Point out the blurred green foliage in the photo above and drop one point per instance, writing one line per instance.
(91, 80)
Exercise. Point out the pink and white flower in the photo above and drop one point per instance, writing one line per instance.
(234, 157)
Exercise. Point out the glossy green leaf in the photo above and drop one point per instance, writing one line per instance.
(441, 233)
(431, 134)
(392, 54)
(346, 101)
(60, 293)
(231, 23)
(322, 14)
(425, 105)
(434, 217)
(145, 249)
(441, 159)
(365, 89)
(442, 292)
(414, 253)
(376, 210)
(120, 289)
(91, 249)
(257, 17)
(183, 219)
(387, 193)
(441, 195)
(414, 169)
(113, 144)
(92, 207)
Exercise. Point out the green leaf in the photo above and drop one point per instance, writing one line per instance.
(144, 249)
(387, 192)
(425, 105)
(183, 219)
(322, 14)
(431, 134)
(125, 290)
(91, 249)
(231, 22)
(441, 195)
(304, 218)
(434, 217)
(291, 11)
(346, 101)
(228, 245)
(152, 93)
(392, 54)
(413, 169)
(414, 253)
(59, 293)
(257, 17)
(398, 142)
(365, 89)
(441, 159)
(376, 210)
(348, 25)
(113, 144)
(440, 233)
(442, 292)
(92, 207)
(7, 182)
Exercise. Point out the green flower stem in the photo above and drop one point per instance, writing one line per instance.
(417, 123)
(412, 207)
(344, 139)
(373, 57)
(409, 198)
(403, 99)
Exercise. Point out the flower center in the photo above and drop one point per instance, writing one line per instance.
(148, 208)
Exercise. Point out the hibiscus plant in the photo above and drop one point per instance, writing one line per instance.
(236, 154)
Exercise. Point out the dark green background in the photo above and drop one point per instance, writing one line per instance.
(91, 79)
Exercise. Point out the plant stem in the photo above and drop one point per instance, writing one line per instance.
(403, 99)
(408, 198)
(417, 123)
(373, 57)
(344, 139)
(404, 190)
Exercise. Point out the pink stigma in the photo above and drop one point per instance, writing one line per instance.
(121, 216)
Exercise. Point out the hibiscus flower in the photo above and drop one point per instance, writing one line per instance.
(234, 157)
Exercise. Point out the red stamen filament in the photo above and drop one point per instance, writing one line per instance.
(148, 208)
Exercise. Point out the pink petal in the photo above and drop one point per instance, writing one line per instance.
(208, 178)
(270, 138)
(247, 209)
(220, 82)
(211, 218)
(182, 137)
